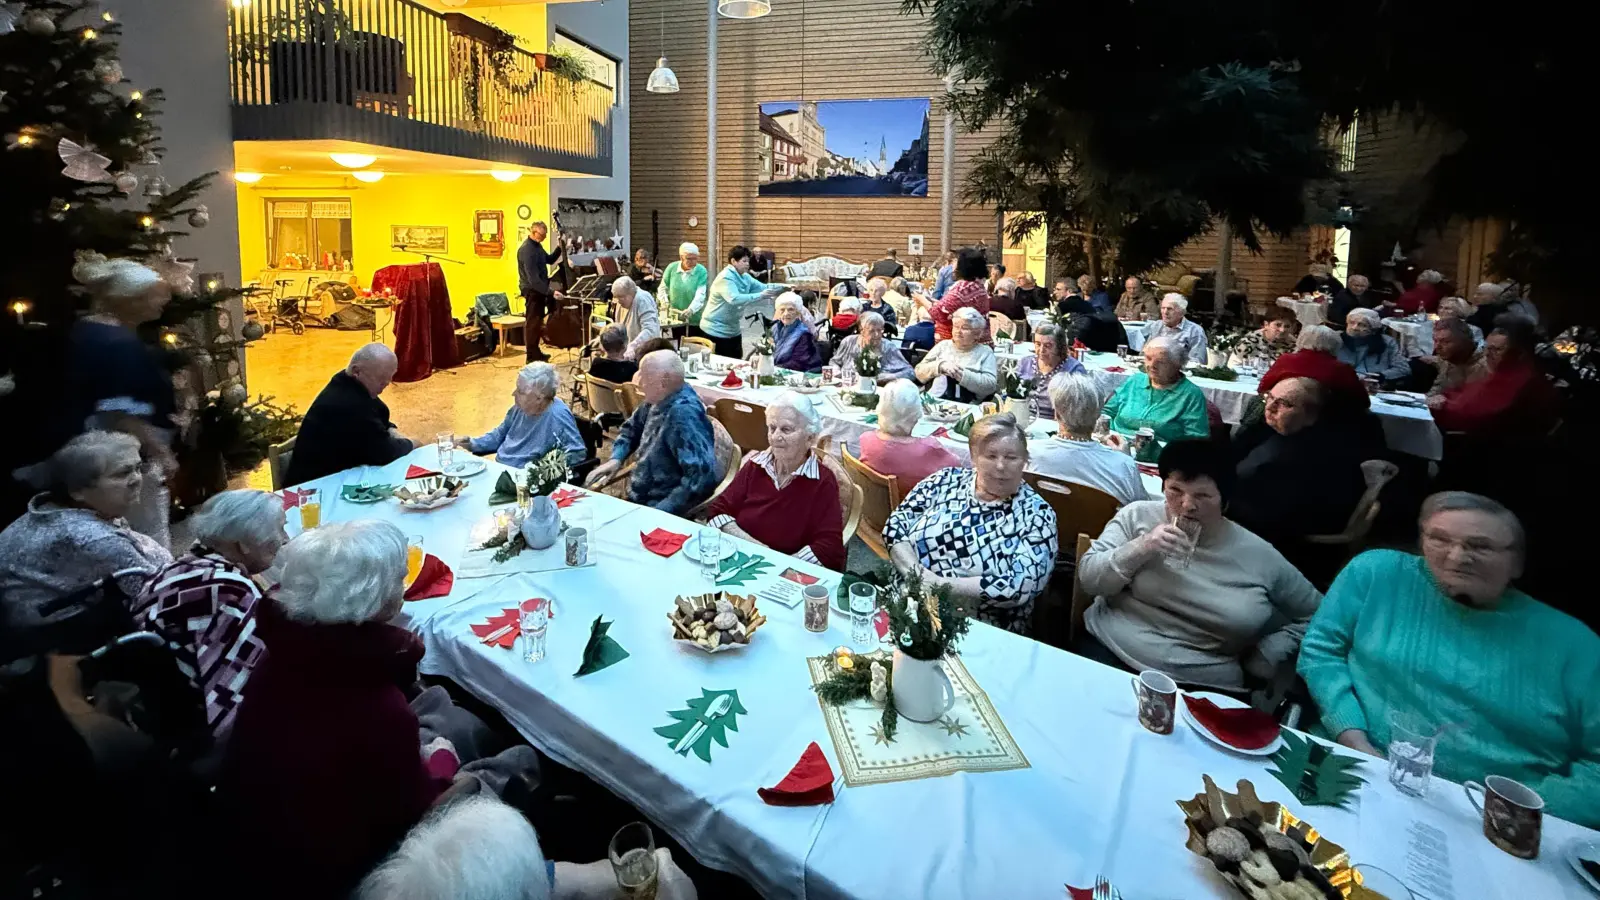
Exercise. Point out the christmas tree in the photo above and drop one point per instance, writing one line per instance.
(80, 158)
(708, 718)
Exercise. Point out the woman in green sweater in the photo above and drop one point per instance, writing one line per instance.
(682, 281)
(1445, 637)
(1159, 398)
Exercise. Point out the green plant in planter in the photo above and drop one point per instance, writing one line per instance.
(317, 22)
(566, 65)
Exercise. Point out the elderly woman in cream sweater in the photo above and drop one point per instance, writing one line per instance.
(962, 368)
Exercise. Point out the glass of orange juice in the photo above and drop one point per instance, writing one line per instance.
(310, 508)
(414, 558)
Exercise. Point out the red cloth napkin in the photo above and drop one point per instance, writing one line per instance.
(505, 624)
(566, 497)
(419, 472)
(880, 623)
(1149, 468)
(662, 542)
(733, 380)
(941, 431)
(809, 783)
(291, 498)
(1115, 369)
(1244, 728)
(799, 577)
(1080, 893)
(434, 580)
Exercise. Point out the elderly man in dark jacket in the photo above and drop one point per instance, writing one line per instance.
(347, 425)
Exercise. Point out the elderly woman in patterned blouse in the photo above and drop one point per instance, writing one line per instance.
(891, 362)
(1049, 357)
(981, 531)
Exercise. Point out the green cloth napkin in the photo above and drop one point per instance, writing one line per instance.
(964, 425)
(366, 493)
(505, 490)
(870, 419)
(601, 651)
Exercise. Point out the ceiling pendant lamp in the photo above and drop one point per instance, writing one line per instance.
(368, 176)
(662, 79)
(353, 160)
(743, 9)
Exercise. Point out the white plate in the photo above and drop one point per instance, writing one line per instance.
(691, 549)
(466, 468)
(1225, 702)
(1580, 850)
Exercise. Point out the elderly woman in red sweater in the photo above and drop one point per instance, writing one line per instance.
(1513, 400)
(968, 290)
(783, 497)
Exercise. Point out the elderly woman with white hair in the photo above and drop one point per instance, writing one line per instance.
(1187, 336)
(537, 422)
(892, 449)
(1458, 308)
(639, 314)
(962, 368)
(1368, 350)
(1446, 637)
(1049, 359)
(1424, 297)
(204, 603)
(891, 362)
(1004, 300)
(326, 767)
(114, 380)
(74, 532)
(784, 497)
(478, 848)
(1072, 454)
(877, 302)
(793, 341)
(982, 531)
(683, 285)
(1160, 398)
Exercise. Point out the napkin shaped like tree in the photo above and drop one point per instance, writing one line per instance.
(601, 651)
(741, 567)
(964, 425)
(1316, 775)
(708, 718)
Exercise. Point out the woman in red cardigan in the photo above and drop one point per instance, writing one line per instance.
(783, 497)
(968, 290)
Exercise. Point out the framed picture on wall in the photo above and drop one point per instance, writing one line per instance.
(422, 238)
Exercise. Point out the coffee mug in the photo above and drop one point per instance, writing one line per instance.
(1158, 700)
(1513, 814)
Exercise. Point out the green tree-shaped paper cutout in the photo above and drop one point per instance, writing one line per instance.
(716, 729)
(1316, 775)
(741, 567)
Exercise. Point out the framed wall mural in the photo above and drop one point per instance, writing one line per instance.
(843, 148)
(420, 238)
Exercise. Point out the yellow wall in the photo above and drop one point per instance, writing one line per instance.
(405, 199)
(525, 20)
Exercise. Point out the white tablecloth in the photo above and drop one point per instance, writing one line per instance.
(1309, 312)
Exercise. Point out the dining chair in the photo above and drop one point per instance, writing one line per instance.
(850, 495)
(604, 397)
(278, 456)
(729, 460)
(880, 495)
(1376, 473)
(747, 423)
(631, 396)
(1000, 323)
(702, 343)
(1081, 599)
(1079, 508)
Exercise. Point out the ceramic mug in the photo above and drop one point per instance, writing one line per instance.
(1158, 700)
(1513, 814)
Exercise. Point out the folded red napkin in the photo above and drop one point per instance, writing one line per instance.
(662, 542)
(941, 431)
(1149, 468)
(798, 577)
(1080, 893)
(291, 498)
(434, 580)
(566, 497)
(419, 472)
(1244, 728)
(1115, 369)
(502, 628)
(809, 783)
(732, 381)
(880, 623)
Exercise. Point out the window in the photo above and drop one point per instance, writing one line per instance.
(603, 67)
(309, 234)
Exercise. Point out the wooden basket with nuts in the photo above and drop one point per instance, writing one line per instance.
(715, 622)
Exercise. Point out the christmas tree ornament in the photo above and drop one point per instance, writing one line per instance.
(200, 217)
(82, 163)
(252, 331)
(9, 14)
(708, 718)
(155, 187)
(109, 71)
(126, 182)
(37, 23)
(235, 395)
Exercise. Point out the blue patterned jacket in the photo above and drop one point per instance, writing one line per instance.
(679, 469)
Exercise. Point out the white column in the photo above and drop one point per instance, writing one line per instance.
(947, 172)
(712, 257)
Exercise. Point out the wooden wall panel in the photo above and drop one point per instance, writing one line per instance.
(805, 49)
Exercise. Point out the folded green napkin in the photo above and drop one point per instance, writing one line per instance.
(870, 419)
(505, 490)
(366, 493)
(601, 651)
(964, 425)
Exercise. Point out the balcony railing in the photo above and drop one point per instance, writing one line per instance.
(392, 73)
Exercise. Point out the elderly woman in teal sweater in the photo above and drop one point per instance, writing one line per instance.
(1445, 638)
(731, 291)
(1160, 397)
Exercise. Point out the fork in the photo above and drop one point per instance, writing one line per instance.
(1104, 891)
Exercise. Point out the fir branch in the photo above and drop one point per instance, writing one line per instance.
(516, 545)
(890, 723)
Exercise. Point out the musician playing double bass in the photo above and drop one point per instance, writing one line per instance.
(533, 282)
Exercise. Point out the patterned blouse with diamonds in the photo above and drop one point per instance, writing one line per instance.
(1009, 544)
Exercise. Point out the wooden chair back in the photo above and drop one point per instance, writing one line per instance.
(880, 495)
(631, 397)
(1376, 473)
(702, 343)
(604, 396)
(1000, 323)
(850, 496)
(728, 463)
(1079, 508)
(278, 456)
(747, 423)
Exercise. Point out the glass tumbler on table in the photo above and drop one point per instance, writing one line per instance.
(863, 604)
(414, 558)
(446, 442)
(708, 547)
(633, 860)
(534, 621)
(1411, 745)
(310, 508)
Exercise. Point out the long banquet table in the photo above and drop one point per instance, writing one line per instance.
(1098, 798)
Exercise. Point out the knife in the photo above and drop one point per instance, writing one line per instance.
(719, 707)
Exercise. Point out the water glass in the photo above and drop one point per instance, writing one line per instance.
(708, 546)
(1191, 530)
(633, 860)
(1411, 745)
(535, 621)
(863, 604)
(446, 442)
(817, 599)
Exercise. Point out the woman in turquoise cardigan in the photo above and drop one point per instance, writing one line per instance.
(1159, 398)
(732, 291)
(1445, 638)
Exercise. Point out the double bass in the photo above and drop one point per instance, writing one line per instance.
(565, 326)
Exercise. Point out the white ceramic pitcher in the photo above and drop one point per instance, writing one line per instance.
(922, 691)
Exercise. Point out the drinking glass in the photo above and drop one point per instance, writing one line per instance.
(863, 603)
(709, 548)
(310, 508)
(1411, 745)
(816, 601)
(414, 557)
(1102, 429)
(534, 621)
(1122, 351)
(1191, 530)
(705, 359)
(446, 442)
(633, 859)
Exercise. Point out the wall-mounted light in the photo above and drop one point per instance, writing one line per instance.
(353, 160)
(743, 9)
(370, 176)
(248, 177)
(506, 175)
(240, 4)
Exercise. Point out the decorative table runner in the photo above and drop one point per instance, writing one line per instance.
(478, 561)
(968, 738)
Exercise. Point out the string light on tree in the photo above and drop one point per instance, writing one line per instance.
(20, 307)
(90, 34)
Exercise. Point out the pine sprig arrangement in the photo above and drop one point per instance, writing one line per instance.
(855, 683)
(1019, 388)
(547, 473)
(509, 547)
(869, 363)
(924, 623)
